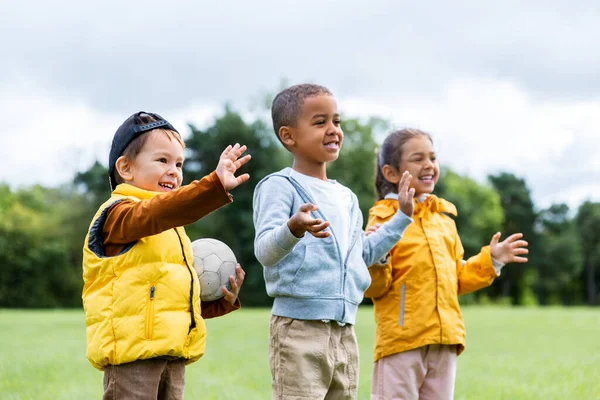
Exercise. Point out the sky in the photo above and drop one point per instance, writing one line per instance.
(501, 86)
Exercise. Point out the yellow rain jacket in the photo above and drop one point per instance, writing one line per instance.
(415, 294)
(138, 303)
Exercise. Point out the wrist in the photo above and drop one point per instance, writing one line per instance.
(295, 229)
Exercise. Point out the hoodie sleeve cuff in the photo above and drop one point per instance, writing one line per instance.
(285, 238)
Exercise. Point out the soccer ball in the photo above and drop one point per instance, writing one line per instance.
(214, 262)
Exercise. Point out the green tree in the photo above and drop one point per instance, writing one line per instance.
(519, 216)
(561, 263)
(35, 254)
(588, 226)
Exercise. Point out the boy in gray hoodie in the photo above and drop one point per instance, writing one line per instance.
(317, 280)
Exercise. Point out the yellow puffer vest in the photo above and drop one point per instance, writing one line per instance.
(415, 295)
(137, 304)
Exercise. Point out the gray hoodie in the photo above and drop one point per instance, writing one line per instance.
(309, 277)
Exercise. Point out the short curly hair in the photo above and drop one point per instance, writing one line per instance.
(287, 105)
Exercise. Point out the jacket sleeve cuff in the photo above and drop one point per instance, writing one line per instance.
(223, 195)
(484, 259)
(400, 221)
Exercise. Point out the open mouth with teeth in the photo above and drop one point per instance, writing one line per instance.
(334, 144)
(167, 186)
(428, 179)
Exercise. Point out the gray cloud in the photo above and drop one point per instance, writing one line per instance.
(119, 55)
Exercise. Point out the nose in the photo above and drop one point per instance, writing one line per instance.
(333, 129)
(173, 171)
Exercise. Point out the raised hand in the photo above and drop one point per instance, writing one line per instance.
(236, 285)
(510, 249)
(303, 222)
(406, 194)
(229, 163)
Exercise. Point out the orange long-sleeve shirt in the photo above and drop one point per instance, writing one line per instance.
(128, 221)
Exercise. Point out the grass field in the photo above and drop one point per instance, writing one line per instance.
(512, 353)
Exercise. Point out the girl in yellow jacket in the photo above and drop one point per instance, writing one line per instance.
(419, 326)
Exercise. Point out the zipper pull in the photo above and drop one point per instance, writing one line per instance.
(152, 289)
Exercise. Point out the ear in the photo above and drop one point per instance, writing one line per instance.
(123, 168)
(390, 174)
(286, 135)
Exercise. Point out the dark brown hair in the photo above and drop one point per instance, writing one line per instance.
(390, 153)
(287, 105)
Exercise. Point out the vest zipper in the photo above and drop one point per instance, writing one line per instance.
(150, 314)
(193, 320)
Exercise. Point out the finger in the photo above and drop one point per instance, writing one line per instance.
(242, 161)
(228, 295)
(226, 151)
(242, 178)
(520, 251)
(318, 228)
(234, 285)
(495, 238)
(411, 194)
(237, 152)
(403, 185)
(321, 235)
(514, 237)
(312, 222)
(519, 243)
(520, 259)
(307, 207)
(241, 274)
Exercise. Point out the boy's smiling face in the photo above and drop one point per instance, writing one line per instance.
(158, 166)
(317, 137)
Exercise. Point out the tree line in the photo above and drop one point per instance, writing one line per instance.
(42, 228)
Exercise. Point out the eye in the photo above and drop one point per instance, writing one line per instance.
(179, 165)
(433, 158)
(337, 122)
(320, 122)
(162, 160)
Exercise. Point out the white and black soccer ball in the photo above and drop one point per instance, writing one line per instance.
(214, 262)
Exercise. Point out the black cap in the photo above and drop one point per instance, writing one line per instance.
(129, 130)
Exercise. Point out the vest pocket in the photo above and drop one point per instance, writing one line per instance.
(150, 313)
(402, 297)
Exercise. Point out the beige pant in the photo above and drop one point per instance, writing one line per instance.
(154, 379)
(424, 373)
(312, 360)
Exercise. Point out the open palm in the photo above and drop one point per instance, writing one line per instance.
(229, 163)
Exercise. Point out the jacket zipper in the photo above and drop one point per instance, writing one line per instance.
(193, 320)
(150, 313)
(402, 297)
(307, 195)
(352, 243)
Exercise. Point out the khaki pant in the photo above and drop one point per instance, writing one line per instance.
(154, 379)
(312, 360)
(424, 373)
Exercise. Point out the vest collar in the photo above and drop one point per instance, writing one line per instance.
(125, 189)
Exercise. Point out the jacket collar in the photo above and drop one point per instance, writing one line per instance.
(428, 203)
(125, 189)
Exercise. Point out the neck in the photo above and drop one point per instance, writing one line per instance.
(318, 171)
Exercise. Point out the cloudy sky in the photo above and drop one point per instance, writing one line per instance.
(511, 85)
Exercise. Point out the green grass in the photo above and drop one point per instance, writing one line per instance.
(512, 353)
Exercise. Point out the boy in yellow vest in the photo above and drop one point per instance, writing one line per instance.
(141, 294)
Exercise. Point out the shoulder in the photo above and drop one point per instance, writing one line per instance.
(274, 180)
(384, 208)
